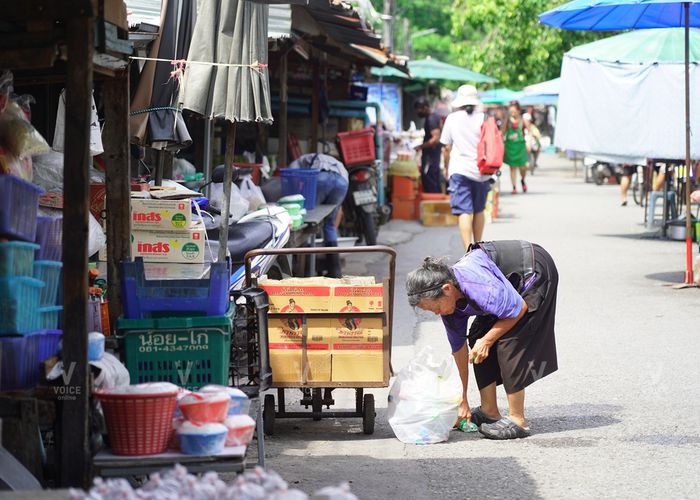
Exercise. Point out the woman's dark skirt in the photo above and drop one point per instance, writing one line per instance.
(528, 352)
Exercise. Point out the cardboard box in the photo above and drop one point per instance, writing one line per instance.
(290, 296)
(161, 246)
(360, 333)
(358, 366)
(437, 213)
(349, 298)
(160, 215)
(285, 343)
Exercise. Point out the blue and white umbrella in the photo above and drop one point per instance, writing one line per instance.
(609, 15)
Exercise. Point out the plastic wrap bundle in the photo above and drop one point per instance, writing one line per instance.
(178, 483)
(424, 399)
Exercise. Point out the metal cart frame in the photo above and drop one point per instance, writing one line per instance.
(318, 394)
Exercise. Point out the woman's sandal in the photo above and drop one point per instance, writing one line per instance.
(479, 417)
(504, 429)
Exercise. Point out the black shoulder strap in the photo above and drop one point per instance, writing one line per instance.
(510, 256)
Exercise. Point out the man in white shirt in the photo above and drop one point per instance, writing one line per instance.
(467, 187)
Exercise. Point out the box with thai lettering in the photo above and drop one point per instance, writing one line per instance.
(358, 350)
(358, 298)
(296, 295)
(160, 215)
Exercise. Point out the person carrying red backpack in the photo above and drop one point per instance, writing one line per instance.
(467, 185)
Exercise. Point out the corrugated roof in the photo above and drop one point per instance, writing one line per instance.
(279, 24)
(143, 11)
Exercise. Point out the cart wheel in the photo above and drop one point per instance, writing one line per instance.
(269, 415)
(368, 414)
(316, 404)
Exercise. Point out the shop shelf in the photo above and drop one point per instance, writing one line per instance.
(49, 236)
(49, 317)
(301, 181)
(16, 258)
(49, 272)
(19, 301)
(144, 298)
(19, 202)
(357, 147)
(15, 368)
(189, 352)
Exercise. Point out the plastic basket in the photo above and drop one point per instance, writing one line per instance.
(357, 147)
(49, 317)
(16, 258)
(49, 236)
(15, 372)
(19, 202)
(138, 424)
(41, 346)
(301, 181)
(19, 301)
(49, 272)
(189, 352)
(158, 298)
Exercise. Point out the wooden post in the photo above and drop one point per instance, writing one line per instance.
(282, 157)
(118, 175)
(315, 108)
(75, 449)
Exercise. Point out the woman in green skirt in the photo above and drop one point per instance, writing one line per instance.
(515, 147)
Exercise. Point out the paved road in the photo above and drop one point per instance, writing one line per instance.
(621, 417)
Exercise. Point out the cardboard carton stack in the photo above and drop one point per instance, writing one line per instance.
(339, 349)
(163, 231)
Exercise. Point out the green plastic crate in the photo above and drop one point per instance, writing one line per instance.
(190, 352)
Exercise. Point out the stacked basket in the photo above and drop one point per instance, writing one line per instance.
(29, 317)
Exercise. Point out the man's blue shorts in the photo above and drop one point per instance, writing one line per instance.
(467, 196)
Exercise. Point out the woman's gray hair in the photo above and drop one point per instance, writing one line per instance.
(426, 281)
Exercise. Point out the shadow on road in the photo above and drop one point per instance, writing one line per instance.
(563, 418)
(669, 276)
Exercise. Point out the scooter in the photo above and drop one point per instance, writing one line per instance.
(360, 216)
(601, 171)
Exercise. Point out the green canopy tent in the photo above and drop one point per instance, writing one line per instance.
(389, 72)
(499, 96)
(432, 69)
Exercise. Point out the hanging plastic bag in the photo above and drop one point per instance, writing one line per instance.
(18, 135)
(59, 136)
(424, 399)
(96, 237)
(238, 205)
(252, 193)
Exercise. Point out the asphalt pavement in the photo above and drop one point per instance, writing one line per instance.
(621, 417)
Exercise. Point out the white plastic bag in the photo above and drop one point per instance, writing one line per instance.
(238, 205)
(96, 237)
(424, 399)
(252, 193)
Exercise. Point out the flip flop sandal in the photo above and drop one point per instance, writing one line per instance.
(504, 429)
(479, 417)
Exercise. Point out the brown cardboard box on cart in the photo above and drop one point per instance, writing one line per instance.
(358, 346)
(289, 361)
(298, 295)
(358, 298)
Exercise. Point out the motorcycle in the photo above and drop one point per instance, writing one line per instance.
(601, 171)
(360, 215)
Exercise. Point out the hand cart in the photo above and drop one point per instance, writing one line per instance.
(319, 394)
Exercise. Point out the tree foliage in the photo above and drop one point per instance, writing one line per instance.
(504, 39)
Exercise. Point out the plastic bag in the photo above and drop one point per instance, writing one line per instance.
(424, 399)
(238, 205)
(18, 135)
(96, 237)
(252, 193)
(6, 81)
(59, 136)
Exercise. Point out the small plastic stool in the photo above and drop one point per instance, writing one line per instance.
(652, 219)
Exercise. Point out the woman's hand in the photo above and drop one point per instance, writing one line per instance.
(480, 351)
(464, 412)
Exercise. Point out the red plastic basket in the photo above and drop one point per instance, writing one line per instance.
(138, 424)
(357, 147)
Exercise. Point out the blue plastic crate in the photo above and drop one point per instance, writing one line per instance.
(50, 317)
(49, 236)
(16, 258)
(301, 181)
(49, 272)
(142, 298)
(15, 367)
(41, 345)
(19, 302)
(19, 202)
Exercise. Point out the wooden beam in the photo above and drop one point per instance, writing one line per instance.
(46, 9)
(118, 175)
(315, 108)
(75, 449)
(282, 156)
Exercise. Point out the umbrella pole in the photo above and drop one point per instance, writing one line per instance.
(688, 236)
(228, 178)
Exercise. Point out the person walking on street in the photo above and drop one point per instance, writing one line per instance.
(467, 187)
(515, 148)
(430, 149)
(533, 140)
(511, 289)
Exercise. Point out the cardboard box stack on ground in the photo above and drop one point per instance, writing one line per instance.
(163, 231)
(437, 213)
(337, 349)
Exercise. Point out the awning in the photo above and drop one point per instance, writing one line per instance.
(432, 69)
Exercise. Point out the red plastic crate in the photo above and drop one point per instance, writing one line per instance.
(357, 147)
(405, 188)
(404, 209)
